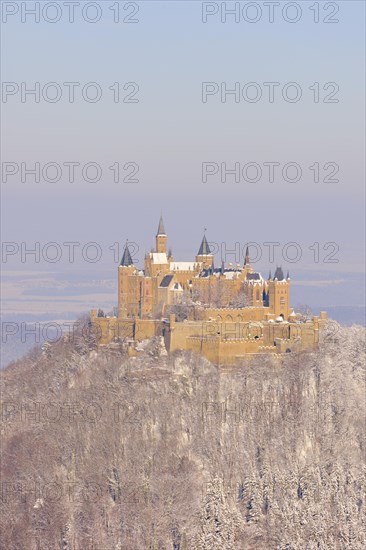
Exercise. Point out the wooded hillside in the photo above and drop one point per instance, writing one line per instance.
(101, 451)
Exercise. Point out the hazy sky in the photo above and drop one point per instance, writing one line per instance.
(169, 132)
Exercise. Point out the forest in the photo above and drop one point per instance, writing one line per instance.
(102, 451)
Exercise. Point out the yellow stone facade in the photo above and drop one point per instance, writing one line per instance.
(221, 313)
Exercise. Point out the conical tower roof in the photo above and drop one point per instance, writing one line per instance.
(126, 258)
(204, 249)
(161, 228)
(247, 259)
(279, 274)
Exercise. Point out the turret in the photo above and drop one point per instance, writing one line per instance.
(279, 294)
(247, 259)
(204, 254)
(279, 274)
(128, 286)
(126, 258)
(161, 237)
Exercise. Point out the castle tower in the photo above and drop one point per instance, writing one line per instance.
(161, 238)
(279, 294)
(128, 286)
(204, 255)
(126, 258)
(247, 268)
(247, 259)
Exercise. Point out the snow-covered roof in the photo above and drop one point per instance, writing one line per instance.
(205, 273)
(230, 274)
(166, 281)
(159, 257)
(254, 278)
(182, 266)
(177, 287)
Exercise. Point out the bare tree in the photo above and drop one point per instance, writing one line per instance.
(304, 312)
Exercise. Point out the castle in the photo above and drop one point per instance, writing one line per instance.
(222, 313)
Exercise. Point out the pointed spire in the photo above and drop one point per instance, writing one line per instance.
(279, 274)
(126, 258)
(288, 275)
(204, 248)
(247, 259)
(161, 228)
(270, 275)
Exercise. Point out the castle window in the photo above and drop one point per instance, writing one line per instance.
(282, 301)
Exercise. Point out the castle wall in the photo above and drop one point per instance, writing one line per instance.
(234, 314)
(180, 332)
(220, 342)
(209, 348)
(230, 350)
(223, 342)
(147, 328)
(226, 352)
(113, 329)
